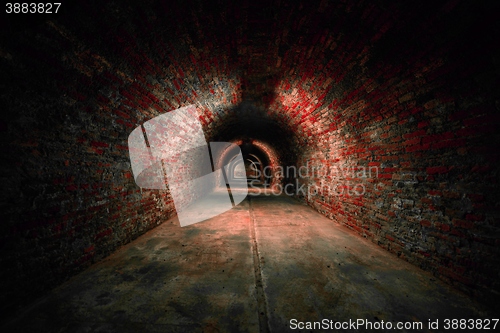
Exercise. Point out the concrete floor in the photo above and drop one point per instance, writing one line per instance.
(252, 269)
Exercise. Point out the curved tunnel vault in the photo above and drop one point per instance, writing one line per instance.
(388, 113)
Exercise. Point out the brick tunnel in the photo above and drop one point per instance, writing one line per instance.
(377, 123)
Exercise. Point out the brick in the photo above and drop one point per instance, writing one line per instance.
(463, 224)
(449, 144)
(414, 134)
(423, 124)
(99, 144)
(435, 192)
(437, 170)
(437, 137)
(473, 217)
(425, 223)
(411, 142)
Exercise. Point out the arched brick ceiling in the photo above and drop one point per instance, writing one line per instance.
(306, 67)
(301, 68)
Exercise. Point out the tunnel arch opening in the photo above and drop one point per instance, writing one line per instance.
(265, 142)
(255, 169)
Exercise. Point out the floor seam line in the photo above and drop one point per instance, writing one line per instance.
(259, 285)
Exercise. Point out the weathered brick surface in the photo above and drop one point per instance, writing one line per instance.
(70, 102)
(418, 100)
(407, 91)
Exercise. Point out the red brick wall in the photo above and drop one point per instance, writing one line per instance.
(72, 99)
(415, 97)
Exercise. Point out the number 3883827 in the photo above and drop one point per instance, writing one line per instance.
(32, 8)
